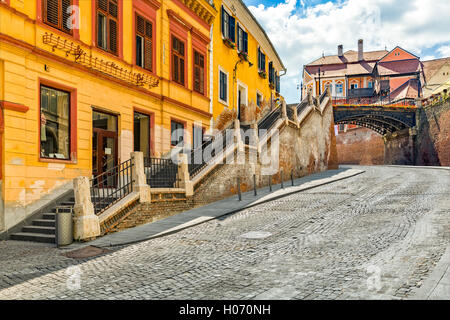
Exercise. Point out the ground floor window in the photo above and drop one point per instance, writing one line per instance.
(55, 123)
(177, 133)
(197, 137)
(142, 133)
(258, 99)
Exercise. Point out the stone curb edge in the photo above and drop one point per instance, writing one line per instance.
(163, 234)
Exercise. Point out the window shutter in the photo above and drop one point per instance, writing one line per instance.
(140, 25)
(222, 21)
(237, 37)
(113, 11)
(113, 35)
(66, 15)
(103, 5)
(232, 26)
(259, 58)
(148, 52)
(246, 42)
(52, 12)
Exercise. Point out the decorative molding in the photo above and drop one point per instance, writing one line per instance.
(6, 105)
(205, 12)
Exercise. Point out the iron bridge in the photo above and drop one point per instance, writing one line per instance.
(382, 119)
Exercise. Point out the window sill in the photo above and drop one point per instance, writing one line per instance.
(50, 160)
(224, 103)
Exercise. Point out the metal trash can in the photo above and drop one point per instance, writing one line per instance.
(64, 226)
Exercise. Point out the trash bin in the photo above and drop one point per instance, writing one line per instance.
(64, 226)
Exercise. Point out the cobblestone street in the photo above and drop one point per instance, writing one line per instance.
(377, 235)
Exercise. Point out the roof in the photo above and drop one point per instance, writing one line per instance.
(265, 34)
(408, 90)
(398, 67)
(430, 67)
(350, 56)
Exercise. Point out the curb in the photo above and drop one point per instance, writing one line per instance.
(231, 212)
(418, 167)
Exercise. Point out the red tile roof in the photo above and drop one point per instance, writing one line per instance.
(398, 67)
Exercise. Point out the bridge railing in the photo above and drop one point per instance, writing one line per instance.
(375, 101)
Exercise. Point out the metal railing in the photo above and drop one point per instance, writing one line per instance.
(302, 106)
(111, 186)
(290, 113)
(360, 93)
(268, 121)
(375, 101)
(161, 173)
(323, 95)
(215, 144)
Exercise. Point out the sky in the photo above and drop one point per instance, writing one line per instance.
(303, 30)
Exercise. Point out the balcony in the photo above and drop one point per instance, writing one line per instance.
(360, 93)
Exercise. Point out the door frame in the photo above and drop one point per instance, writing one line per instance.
(101, 133)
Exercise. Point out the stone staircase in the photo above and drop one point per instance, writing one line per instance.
(43, 229)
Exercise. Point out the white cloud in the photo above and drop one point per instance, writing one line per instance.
(301, 33)
(444, 51)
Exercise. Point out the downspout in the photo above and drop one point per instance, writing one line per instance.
(211, 78)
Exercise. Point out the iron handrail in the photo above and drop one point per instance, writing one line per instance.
(196, 164)
(161, 173)
(111, 186)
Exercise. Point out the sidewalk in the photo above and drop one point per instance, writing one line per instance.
(437, 285)
(215, 210)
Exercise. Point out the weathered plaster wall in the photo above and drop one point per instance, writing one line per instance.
(433, 143)
(360, 146)
(400, 147)
(303, 150)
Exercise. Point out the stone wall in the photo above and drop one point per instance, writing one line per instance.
(433, 138)
(360, 146)
(304, 149)
(400, 147)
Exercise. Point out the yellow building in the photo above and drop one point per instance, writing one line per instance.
(85, 82)
(246, 68)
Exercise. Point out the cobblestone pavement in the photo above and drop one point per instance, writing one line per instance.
(374, 236)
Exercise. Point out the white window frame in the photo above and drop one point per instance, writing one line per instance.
(261, 95)
(228, 86)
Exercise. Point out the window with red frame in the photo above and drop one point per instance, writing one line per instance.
(57, 13)
(199, 72)
(108, 25)
(178, 58)
(144, 43)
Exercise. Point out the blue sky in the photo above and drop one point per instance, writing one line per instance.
(303, 30)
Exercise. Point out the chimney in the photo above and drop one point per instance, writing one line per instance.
(360, 50)
(340, 50)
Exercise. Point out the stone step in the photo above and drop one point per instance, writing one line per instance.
(35, 237)
(49, 216)
(44, 222)
(39, 229)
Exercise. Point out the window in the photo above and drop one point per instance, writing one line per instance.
(261, 60)
(228, 25)
(197, 136)
(278, 84)
(271, 73)
(370, 85)
(242, 40)
(107, 25)
(142, 133)
(55, 124)
(199, 72)
(223, 86)
(178, 60)
(329, 87)
(144, 43)
(55, 14)
(354, 86)
(177, 133)
(339, 89)
(258, 99)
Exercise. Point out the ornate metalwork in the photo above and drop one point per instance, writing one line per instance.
(109, 68)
